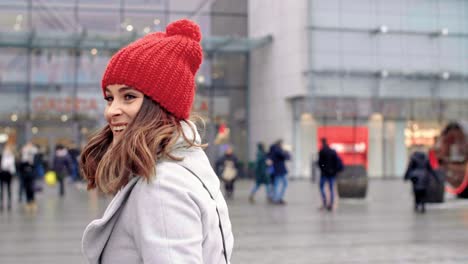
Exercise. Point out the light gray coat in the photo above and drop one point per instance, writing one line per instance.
(171, 219)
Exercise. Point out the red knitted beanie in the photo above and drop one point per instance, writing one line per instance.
(162, 65)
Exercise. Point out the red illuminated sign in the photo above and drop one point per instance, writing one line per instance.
(67, 104)
(350, 142)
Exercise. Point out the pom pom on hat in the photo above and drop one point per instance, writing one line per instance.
(184, 27)
(162, 66)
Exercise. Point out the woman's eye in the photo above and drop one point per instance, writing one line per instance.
(129, 97)
(108, 98)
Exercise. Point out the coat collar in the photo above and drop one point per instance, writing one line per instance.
(191, 133)
(195, 158)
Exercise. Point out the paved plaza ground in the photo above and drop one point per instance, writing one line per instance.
(379, 229)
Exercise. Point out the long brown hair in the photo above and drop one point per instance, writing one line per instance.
(109, 166)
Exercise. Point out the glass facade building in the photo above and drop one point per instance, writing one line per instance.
(397, 68)
(296, 70)
(53, 54)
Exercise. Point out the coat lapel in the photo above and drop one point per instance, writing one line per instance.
(97, 233)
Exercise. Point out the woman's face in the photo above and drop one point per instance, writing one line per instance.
(123, 104)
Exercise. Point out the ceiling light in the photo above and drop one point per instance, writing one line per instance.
(445, 75)
(383, 29)
(383, 73)
(201, 79)
(3, 137)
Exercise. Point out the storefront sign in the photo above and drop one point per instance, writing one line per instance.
(350, 142)
(66, 104)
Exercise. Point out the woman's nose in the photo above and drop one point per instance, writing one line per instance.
(114, 109)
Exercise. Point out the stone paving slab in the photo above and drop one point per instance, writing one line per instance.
(379, 229)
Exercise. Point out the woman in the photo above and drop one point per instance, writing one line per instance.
(418, 172)
(262, 175)
(168, 207)
(63, 166)
(7, 170)
(227, 168)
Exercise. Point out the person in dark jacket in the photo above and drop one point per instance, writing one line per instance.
(330, 165)
(227, 168)
(279, 156)
(261, 172)
(418, 172)
(75, 156)
(26, 178)
(39, 170)
(63, 166)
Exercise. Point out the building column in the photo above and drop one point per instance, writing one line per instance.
(375, 151)
(296, 139)
(76, 133)
(394, 153)
(27, 131)
(401, 152)
(388, 156)
(305, 146)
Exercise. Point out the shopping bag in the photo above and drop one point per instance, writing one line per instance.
(51, 178)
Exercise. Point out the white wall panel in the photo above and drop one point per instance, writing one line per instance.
(326, 19)
(283, 69)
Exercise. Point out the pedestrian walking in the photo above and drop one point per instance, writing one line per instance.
(330, 165)
(7, 170)
(39, 170)
(419, 172)
(27, 176)
(28, 152)
(63, 166)
(227, 167)
(262, 176)
(279, 155)
(74, 155)
(167, 205)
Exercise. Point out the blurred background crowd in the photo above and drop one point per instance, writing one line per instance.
(378, 79)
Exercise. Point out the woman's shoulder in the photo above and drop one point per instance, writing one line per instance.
(173, 188)
(169, 176)
(192, 176)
